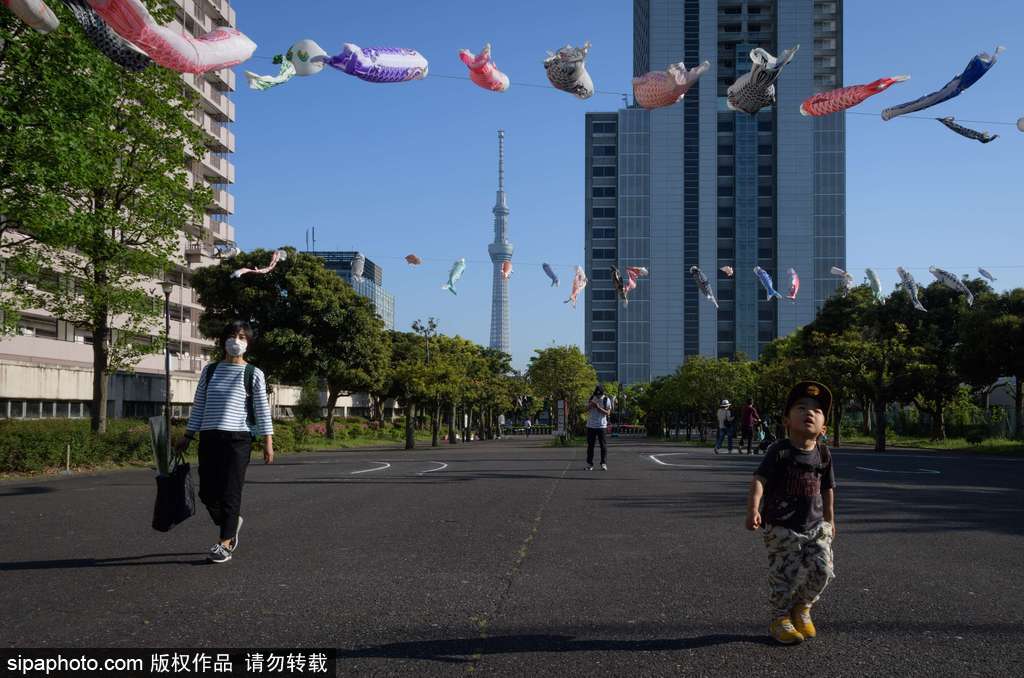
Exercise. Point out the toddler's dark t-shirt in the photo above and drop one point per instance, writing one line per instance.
(792, 494)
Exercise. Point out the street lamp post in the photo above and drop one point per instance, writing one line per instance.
(167, 286)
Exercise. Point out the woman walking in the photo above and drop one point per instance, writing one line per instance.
(229, 411)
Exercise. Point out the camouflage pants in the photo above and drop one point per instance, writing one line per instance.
(799, 566)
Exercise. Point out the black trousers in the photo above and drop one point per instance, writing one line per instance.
(747, 434)
(596, 434)
(223, 460)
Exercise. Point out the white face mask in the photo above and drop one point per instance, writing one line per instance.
(235, 347)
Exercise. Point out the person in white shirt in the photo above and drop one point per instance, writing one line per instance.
(230, 410)
(598, 408)
(725, 425)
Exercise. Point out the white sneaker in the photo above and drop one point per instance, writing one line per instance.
(218, 554)
(604, 467)
(589, 467)
(234, 542)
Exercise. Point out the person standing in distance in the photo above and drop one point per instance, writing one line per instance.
(749, 418)
(598, 408)
(229, 411)
(725, 425)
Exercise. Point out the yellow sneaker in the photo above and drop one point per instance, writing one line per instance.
(782, 630)
(801, 617)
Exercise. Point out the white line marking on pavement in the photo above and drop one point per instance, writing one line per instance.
(919, 472)
(371, 470)
(654, 457)
(442, 467)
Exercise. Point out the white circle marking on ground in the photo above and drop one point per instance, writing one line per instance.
(654, 457)
(918, 472)
(371, 470)
(442, 467)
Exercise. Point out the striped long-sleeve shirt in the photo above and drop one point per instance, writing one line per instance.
(220, 402)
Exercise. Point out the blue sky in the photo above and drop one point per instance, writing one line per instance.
(394, 169)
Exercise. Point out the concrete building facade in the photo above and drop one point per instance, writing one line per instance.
(41, 369)
(698, 184)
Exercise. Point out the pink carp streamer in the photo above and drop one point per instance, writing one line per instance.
(826, 103)
(632, 273)
(658, 89)
(178, 51)
(579, 281)
(727, 270)
(482, 70)
(794, 284)
(35, 13)
(278, 256)
(506, 269)
(413, 260)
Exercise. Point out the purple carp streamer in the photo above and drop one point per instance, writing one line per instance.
(380, 64)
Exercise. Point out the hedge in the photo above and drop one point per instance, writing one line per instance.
(32, 446)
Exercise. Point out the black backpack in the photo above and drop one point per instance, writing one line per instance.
(247, 378)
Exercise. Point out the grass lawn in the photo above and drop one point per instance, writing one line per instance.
(991, 446)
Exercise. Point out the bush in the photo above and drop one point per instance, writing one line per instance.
(27, 446)
(308, 408)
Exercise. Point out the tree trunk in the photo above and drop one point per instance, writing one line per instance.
(435, 424)
(100, 377)
(939, 422)
(452, 427)
(865, 412)
(332, 400)
(837, 431)
(410, 425)
(1018, 407)
(880, 424)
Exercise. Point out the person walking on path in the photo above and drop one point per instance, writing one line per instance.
(748, 419)
(797, 480)
(725, 425)
(598, 408)
(528, 425)
(229, 411)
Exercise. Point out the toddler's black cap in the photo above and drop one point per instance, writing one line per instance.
(811, 389)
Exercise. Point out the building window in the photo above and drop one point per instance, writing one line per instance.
(602, 335)
(602, 273)
(604, 171)
(604, 212)
(604, 150)
(606, 233)
(603, 192)
(604, 128)
(603, 357)
(603, 315)
(603, 253)
(602, 295)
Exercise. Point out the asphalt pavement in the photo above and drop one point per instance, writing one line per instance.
(508, 558)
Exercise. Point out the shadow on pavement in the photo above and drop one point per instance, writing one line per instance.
(466, 650)
(27, 489)
(125, 561)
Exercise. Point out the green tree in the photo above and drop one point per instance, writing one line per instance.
(94, 156)
(308, 408)
(562, 373)
(991, 347)
(309, 322)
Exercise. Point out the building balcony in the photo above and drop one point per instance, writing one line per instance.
(223, 202)
(195, 251)
(223, 79)
(213, 101)
(221, 11)
(217, 170)
(219, 138)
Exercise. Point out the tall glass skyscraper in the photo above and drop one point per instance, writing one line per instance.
(698, 184)
(368, 285)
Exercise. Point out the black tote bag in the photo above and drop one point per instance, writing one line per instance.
(175, 498)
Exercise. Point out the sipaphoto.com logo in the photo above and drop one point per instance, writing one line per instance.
(45, 666)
